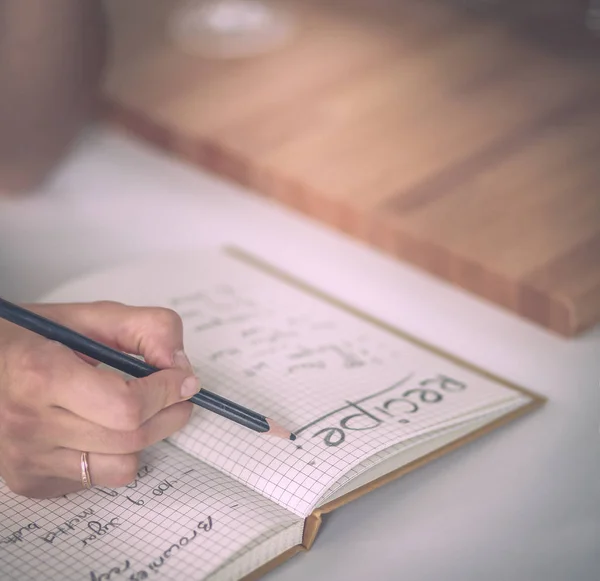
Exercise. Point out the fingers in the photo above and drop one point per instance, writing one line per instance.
(107, 470)
(54, 404)
(112, 458)
(71, 431)
(48, 447)
(103, 397)
(42, 487)
(110, 470)
(155, 333)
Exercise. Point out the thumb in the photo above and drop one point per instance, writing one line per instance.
(160, 390)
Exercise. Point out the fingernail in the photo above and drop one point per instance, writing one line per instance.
(181, 361)
(190, 387)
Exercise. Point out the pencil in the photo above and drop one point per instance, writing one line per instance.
(135, 367)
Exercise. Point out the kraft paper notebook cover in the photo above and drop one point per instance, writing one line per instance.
(217, 501)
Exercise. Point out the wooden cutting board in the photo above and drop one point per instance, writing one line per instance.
(446, 141)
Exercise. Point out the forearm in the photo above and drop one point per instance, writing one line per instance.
(51, 58)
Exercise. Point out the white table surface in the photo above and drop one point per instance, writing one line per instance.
(520, 504)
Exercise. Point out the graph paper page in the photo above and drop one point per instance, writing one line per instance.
(348, 388)
(179, 519)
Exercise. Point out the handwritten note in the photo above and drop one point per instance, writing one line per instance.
(349, 389)
(178, 519)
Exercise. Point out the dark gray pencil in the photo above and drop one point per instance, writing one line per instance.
(135, 367)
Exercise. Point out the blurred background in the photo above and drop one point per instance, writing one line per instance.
(460, 136)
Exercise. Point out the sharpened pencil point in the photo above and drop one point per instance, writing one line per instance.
(292, 437)
(276, 430)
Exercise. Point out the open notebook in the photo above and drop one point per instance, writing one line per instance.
(218, 501)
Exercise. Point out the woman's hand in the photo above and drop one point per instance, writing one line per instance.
(56, 404)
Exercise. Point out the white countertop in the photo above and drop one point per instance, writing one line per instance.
(520, 504)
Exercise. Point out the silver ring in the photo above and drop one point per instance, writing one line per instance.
(86, 479)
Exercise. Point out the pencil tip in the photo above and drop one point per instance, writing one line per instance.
(292, 436)
(276, 430)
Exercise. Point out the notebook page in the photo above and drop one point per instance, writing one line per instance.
(179, 520)
(402, 454)
(346, 387)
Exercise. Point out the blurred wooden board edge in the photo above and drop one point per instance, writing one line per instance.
(556, 313)
(563, 295)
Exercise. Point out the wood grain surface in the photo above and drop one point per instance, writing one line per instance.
(448, 140)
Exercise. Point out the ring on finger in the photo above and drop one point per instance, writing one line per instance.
(86, 479)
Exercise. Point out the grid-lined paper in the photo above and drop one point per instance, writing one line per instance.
(180, 519)
(403, 452)
(349, 389)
